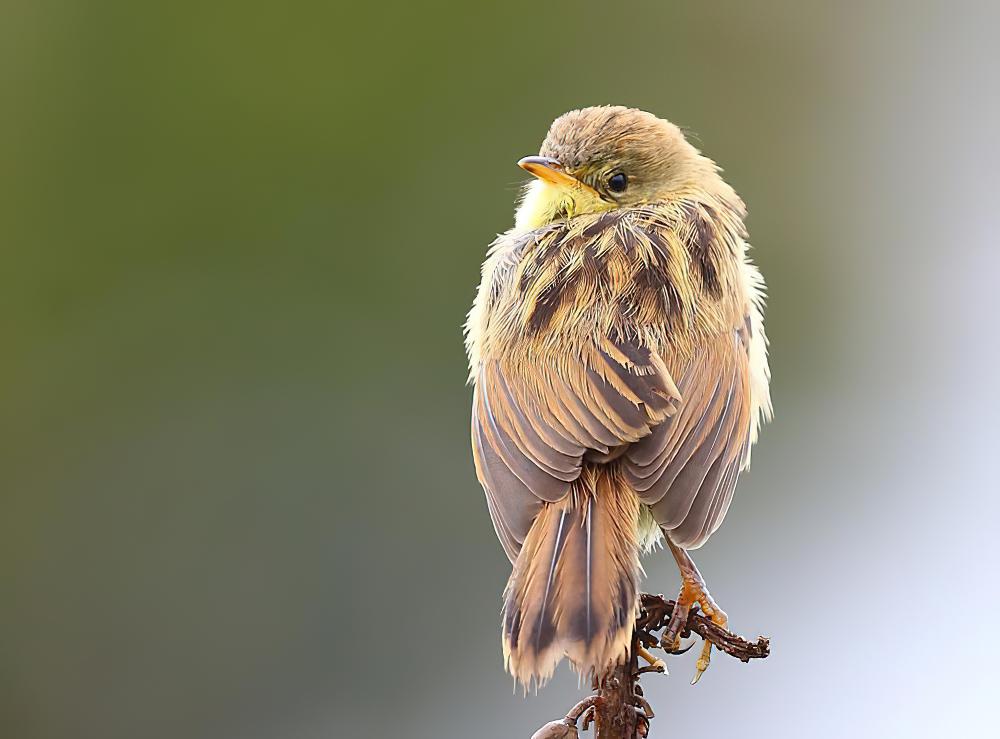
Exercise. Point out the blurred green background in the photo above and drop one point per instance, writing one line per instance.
(238, 243)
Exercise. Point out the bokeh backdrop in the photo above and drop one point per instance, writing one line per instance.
(238, 243)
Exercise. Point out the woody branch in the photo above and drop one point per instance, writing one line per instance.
(617, 709)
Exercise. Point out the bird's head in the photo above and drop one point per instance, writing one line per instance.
(607, 157)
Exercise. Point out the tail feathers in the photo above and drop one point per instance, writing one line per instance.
(573, 588)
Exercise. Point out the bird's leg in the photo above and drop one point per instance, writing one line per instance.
(693, 590)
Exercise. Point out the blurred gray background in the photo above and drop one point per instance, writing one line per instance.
(238, 243)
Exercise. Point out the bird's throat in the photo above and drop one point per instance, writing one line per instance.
(544, 203)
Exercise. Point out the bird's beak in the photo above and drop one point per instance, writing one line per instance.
(549, 170)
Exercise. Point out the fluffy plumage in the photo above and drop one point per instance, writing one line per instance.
(617, 351)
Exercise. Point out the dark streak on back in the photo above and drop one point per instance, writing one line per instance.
(701, 246)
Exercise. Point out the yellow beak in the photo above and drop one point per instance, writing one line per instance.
(549, 170)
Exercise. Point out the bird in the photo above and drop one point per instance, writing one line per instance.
(618, 362)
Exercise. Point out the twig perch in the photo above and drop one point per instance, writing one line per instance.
(617, 708)
(655, 612)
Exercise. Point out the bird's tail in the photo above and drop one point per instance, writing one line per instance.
(573, 588)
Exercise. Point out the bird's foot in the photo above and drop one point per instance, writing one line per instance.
(655, 663)
(693, 591)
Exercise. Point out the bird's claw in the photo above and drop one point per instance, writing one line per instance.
(693, 594)
(655, 663)
(719, 618)
(702, 664)
(680, 647)
(671, 638)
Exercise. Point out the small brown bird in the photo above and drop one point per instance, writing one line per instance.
(617, 350)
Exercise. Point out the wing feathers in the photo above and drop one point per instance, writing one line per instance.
(681, 458)
(538, 430)
(512, 505)
(686, 470)
(527, 470)
(561, 466)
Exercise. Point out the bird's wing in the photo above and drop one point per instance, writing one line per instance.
(532, 425)
(686, 469)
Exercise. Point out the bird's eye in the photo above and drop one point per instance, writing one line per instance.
(617, 182)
